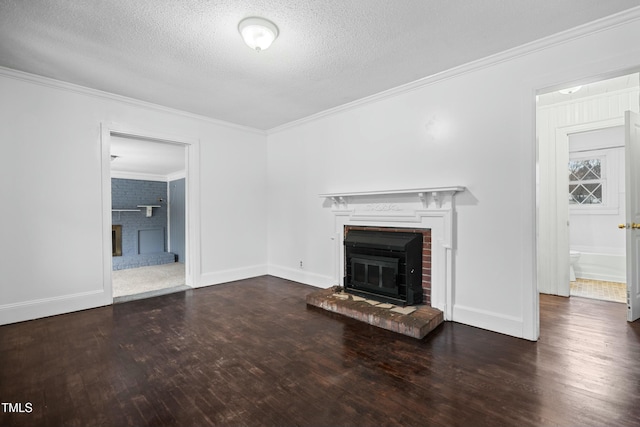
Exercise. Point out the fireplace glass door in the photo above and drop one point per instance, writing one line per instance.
(375, 273)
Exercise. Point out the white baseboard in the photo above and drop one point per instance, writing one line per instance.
(301, 276)
(224, 276)
(491, 321)
(45, 307)
(605, 267)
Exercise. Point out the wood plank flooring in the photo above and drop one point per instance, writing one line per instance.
(252, 353)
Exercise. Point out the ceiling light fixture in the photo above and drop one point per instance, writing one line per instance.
(258, 33)
(570, 90)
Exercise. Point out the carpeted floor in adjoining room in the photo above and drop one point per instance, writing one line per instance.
(146, 279)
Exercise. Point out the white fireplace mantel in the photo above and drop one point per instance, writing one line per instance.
(435, 195)
(430, 208)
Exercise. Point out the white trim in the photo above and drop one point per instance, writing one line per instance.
(509, 325)
(415, 191)
(107, 259)
(139, 176)
(176, 176)
(231, 275)
(301, 276)
(589, 126)
(44, 307)
(528, 218)
(193, 240)
(602, 24)
(429, 198)
(70, 87)
(128, 131)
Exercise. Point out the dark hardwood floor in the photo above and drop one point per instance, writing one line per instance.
(252, 353)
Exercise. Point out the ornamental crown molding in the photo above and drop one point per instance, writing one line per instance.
(96, 93)
(603, 24)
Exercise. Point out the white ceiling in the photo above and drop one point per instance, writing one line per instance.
(188, 55)
(146, 158)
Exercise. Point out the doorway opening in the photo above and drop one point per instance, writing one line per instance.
(143, 172)
(581, 160)
(146, 181)
(597, 247)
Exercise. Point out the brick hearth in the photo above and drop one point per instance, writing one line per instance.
(417, 324)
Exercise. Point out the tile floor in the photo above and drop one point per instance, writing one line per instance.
(596, 289)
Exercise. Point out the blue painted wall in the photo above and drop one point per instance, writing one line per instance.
(177, 209)
(140, 235)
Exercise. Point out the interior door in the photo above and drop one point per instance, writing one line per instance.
(632, 165)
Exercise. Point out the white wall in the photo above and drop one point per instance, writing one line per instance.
(51, 257)
(474, 128)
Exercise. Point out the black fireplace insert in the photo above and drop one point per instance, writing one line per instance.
(384, 266)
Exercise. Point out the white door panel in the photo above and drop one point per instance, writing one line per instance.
(632, 198)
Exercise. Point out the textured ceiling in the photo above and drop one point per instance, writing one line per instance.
(142, 156)
(187, 54)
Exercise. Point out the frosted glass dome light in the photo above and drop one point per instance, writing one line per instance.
(570, 90)
(258, 33)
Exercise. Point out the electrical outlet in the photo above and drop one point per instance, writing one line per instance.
(301, 264)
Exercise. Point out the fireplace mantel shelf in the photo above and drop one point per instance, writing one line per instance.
(435, 193)
(415, 191)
